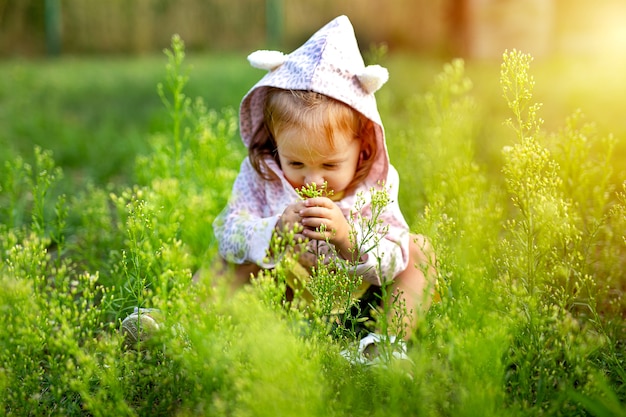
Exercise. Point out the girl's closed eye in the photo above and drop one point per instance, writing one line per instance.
(295, 164)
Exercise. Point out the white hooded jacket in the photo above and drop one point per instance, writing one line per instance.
(328, 63)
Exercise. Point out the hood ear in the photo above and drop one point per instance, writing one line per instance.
(267, 60)
(373, 77)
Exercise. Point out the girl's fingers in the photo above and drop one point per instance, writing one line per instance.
(319, 232)
(310, 216)
(319, 202)
(315, 222)
(315, 212)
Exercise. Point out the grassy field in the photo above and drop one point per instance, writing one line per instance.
(107, 201)
(82, 108)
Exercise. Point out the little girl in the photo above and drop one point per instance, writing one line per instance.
(313, 119)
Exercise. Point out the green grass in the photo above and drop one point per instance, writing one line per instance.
(96, 114)
(527, 220)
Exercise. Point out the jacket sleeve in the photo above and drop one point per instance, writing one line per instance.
(244, 229)
(388, 242)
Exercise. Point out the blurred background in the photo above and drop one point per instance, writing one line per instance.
(79, 77)
(468, 28)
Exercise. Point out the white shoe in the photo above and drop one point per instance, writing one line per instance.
(376, 349)
(138, 327)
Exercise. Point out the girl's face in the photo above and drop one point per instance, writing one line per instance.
(306, 160)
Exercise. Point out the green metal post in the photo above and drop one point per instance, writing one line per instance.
(53, 27)
(274, 23)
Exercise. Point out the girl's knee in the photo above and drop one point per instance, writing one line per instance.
(422, 256)
(421, 252)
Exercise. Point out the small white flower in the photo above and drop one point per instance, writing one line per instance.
(267, 60)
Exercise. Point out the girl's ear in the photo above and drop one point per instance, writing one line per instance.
(267, 60)
(373, 77)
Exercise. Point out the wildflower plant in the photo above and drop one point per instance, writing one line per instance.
(178, 167)
(332, 281)
(453, 203)
(546, 252)
(330, 287)
(312, 191)
(50, 307)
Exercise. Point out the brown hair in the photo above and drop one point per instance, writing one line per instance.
(313, 112)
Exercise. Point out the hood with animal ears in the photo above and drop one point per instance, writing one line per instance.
(329, 63)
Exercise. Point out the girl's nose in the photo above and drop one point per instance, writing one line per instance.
(314, 178)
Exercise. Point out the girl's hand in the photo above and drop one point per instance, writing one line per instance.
(323, 220)
(290, 218)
